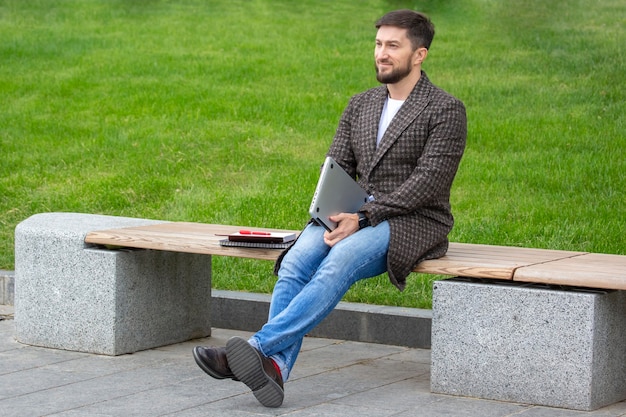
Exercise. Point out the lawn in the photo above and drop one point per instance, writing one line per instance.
(222, 111)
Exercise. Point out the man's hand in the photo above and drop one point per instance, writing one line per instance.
(347, 224)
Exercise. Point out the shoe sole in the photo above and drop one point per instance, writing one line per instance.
(205, 368)
(245, 363)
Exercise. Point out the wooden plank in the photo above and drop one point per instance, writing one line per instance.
(462, 259)
(486, 261)
(181, 237)
(592, 270)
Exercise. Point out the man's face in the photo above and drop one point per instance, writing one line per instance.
(393, 54)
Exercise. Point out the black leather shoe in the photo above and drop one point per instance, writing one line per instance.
(256, 371)
(212, 360)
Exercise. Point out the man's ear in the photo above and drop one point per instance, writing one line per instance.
(419, 56)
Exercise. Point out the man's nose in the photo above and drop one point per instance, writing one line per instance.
(381, 53)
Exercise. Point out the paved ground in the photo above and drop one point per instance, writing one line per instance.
(332, 378)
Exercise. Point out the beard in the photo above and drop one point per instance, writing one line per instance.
(396, 74)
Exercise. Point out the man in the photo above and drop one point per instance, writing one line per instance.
(403, 142)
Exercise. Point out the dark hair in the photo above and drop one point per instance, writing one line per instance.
(420, 30)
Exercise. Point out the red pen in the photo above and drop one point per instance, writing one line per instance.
(249, 232)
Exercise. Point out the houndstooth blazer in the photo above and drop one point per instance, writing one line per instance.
(410, 173)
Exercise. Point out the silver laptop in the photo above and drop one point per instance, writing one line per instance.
(336, 192)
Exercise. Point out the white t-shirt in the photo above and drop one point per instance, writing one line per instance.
(389, 111)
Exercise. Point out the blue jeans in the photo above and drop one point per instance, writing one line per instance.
(312, 279)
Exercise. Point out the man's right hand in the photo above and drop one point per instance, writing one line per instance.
(347, 224)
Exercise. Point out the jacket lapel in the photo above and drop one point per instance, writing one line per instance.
(375, 108)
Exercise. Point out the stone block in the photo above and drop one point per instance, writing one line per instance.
(368, 323)
(70, 295)
(553, 346)
(7, 285)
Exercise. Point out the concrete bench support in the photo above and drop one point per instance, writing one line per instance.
(71, 296)
(559, 347)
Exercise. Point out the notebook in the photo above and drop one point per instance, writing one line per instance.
(261, 236)
(259, 239)
(336, 192)
(259, 245)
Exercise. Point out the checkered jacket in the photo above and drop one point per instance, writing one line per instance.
(410, 173)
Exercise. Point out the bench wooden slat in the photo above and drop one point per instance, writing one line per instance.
(462, 259)
(181, 237)
(486, 261)
(593, 270)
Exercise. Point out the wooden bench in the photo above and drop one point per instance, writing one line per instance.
(527, 325)
(554, 267)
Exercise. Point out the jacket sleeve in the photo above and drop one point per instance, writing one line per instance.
(341, 147)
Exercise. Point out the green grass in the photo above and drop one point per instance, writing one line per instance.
(221, 112)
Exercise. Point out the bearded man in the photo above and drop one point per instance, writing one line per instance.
(403, 142)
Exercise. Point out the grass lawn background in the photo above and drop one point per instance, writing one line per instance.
(222, 111)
